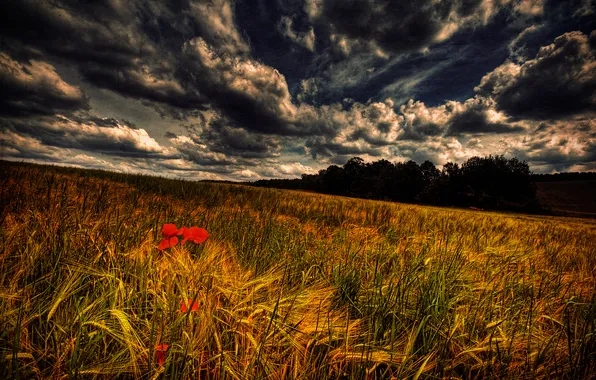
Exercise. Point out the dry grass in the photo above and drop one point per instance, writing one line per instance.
(289, 285)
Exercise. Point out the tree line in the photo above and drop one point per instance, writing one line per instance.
(492, 182)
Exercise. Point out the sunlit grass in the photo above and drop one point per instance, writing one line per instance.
(289, 284)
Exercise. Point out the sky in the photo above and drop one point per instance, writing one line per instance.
(247, 90)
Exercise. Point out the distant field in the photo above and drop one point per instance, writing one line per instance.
(289, 285)
(572, 198)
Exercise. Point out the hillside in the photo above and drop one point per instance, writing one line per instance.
(571, 198)
(288, 285)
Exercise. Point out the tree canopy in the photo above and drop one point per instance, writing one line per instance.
(491, 182)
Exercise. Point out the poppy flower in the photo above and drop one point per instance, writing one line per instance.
(169, 230)
(170, 239)
(192, 305)
(196, 234)
(160, 352)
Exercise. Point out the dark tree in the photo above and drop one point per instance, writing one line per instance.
(380, 180)
(487, 182)
(335, 181)
(409, 181)
(430, 176)
(354, 171)
(496, 182)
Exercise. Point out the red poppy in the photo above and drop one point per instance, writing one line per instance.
(167, 243)
(160, 352)
(193, 306)
(196, 234)
(169, 232)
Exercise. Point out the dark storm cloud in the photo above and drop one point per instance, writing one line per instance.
(252, 95)
(106, 122)
(556, 159)
(268, 84)
(560, 81)
(144, 83)
(558, 145)
(474, 119)
(321, 148)
(351, 128)
(102, 39)
(139, 51)
(199, 153)
(88, 134)
(15, 145)
(128, 47)
(397, 26)
(219, 136)
(166, 76)
(559, 11)
(22, 147)
(33, 87)
(305, 39)
(421, 122)
(151, 61)
(147, 51)
(475, 116)
(420, 131)
(83, 32)
(420, 152)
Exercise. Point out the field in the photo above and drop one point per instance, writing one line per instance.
(569, 198)
(288, 285)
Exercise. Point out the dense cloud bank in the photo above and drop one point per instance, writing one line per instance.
(234, 90)
(559, 81)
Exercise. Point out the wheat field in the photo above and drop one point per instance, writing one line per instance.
(289, 285)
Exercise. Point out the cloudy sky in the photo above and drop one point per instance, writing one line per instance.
(242, 90)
